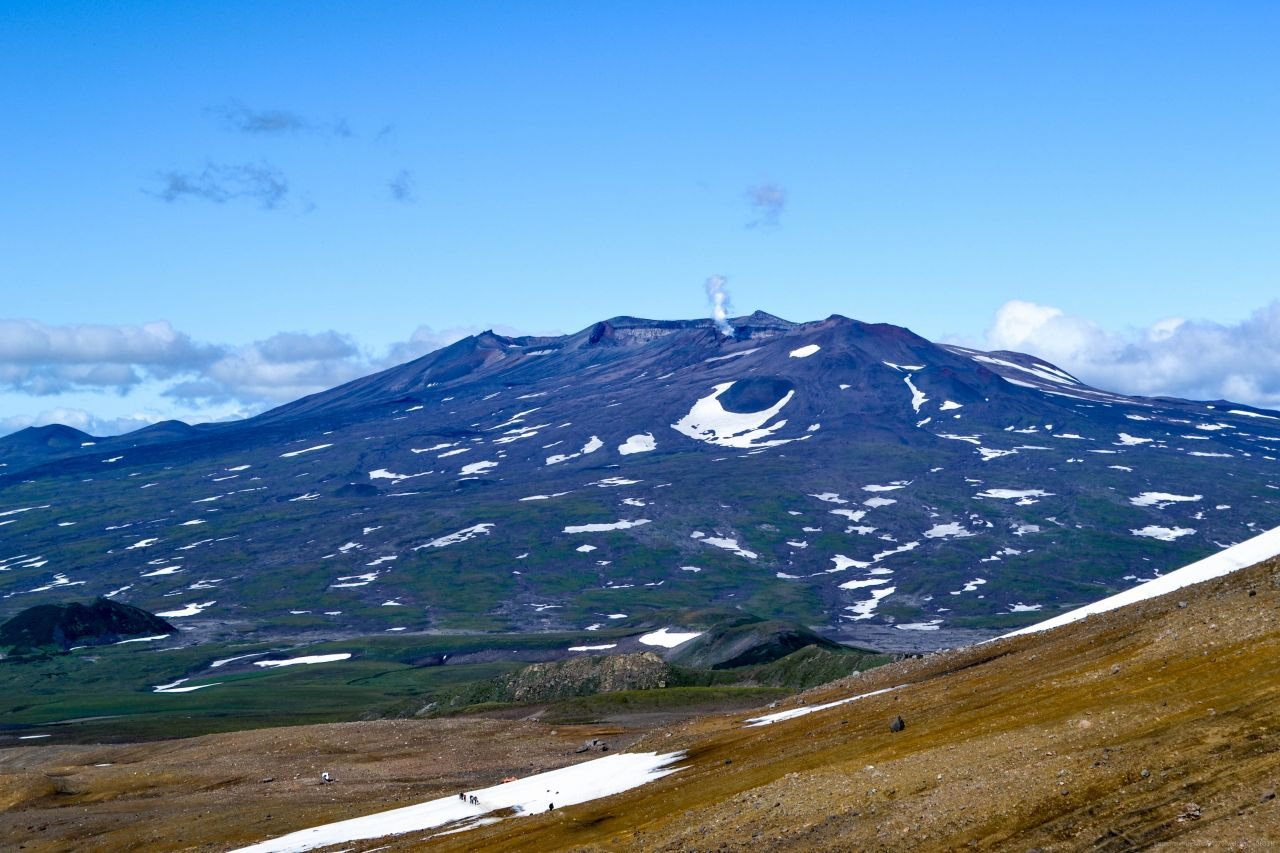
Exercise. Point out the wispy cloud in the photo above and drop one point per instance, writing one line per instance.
(766, 201)
(237, 117)
(402, 187)
(221, 183)
(1192, 359)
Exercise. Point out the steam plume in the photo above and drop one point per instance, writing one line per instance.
(719, 298)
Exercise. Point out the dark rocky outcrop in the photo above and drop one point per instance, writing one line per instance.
(65, 625)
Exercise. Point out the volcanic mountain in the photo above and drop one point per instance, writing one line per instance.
(853, 477)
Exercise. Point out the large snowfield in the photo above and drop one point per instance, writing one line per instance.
(567, 786)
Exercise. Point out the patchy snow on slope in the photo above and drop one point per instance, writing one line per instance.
(174, 688)
(384, 474)
(805, 351)
(353, 581)
(1261, 547)
(842, 562)
(642, 443)
(167, 570)
(901, 549)
(610, 482)
(804, 710)
(1160, 500)
(192, 609)
(593, 444)
(1022, 496)
(877, 502)
(948, 405)
(293, 453)
(1132, 440)
(598, 648)
(224, 661)
(578, 783)
(601, 528)
(460, 536)
(668, 639)
(142, 639)
(952, 529)
(710, 422)
(725, 543)
(918, 397)
(851, 514)
(865, 582)
(306, 660)
(476, 468)
(22, 510)
(1040, 371)
(931, 625)
(830, 497)
(896, 484)
(1164, 534)
(738, 354)
(866, 609)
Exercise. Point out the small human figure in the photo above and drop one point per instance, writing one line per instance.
(551, 807)
(462, 796)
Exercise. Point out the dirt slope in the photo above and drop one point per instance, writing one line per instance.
(1155, 727)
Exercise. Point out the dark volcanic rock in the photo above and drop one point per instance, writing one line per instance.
(76, 624)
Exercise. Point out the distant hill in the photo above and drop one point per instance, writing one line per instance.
(76, 624)
(34, 445)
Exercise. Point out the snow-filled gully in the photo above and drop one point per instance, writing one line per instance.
(578, 783)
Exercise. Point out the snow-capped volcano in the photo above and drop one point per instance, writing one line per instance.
(840, 473)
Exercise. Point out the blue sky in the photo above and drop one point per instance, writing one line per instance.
(211, 207)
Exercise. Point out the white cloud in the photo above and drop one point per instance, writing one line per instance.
(41, 360)
(1193, 359)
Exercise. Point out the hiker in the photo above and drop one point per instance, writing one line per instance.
(462, 796)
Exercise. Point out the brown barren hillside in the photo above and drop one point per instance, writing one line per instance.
(1152, 727)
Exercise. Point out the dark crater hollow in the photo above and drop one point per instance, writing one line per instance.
(755, 394)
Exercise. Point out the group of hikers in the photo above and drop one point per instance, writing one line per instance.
(473, 800)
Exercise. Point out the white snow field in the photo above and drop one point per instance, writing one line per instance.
(307, 660)
(667, 638)
(710, 422)
(792, 713)
(642, 443)
(567, 786)
(1255, 550)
